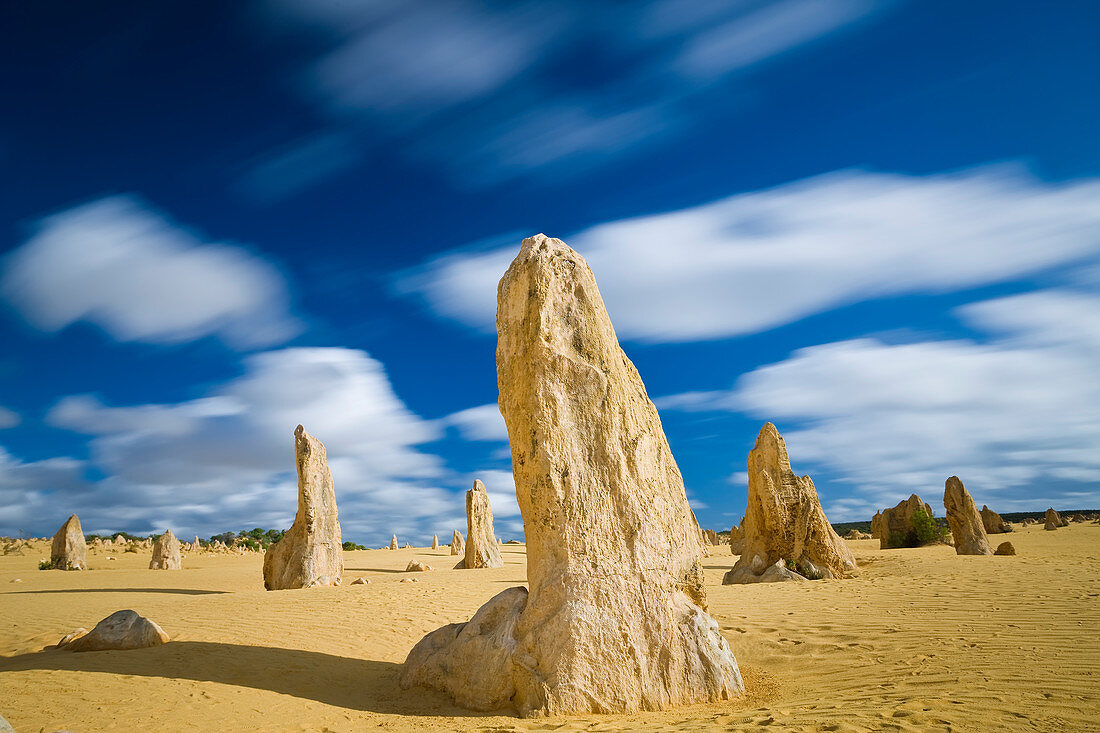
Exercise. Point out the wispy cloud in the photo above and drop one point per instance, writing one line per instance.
(125, 267)
(433, 74)
(483, 422)
(8, 418)
(759, 260)
(1017, 417)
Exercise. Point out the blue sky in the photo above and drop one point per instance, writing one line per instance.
(876, 224)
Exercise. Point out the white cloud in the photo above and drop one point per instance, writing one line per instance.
(8, 418)
(1017, 418)
(479, 423)
(475, 88)
(123, 266)
(758, 260)
(226, 460)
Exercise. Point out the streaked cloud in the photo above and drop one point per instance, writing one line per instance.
(483, 422)
(758, 260)
(125, 267)
(8, 418)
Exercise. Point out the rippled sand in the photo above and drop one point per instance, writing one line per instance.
(923, 640)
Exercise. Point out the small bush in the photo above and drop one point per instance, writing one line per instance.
(923, 530)
(349, 546)
(45, 565)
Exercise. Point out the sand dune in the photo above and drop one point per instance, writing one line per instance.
(922, 640)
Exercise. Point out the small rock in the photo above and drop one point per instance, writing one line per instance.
(121, 630)
(415, 566)
(408, 580)
(1005, 548)
(360, 581)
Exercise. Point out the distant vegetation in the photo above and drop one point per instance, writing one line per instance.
(349, 546)
(254, 539)
(924, 530)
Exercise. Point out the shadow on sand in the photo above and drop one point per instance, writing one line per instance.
(358, 684)
(176, 591)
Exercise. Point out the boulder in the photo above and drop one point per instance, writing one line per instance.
(893, 527)
(967, 528)
(482, 549)
(415, 566)
(120, 630)
(1005, 548)
(311, 548)
(166, 553)
(457, 546)
(1053, 517)
(435, 542)
(68, 550)
(1077, 518)
(784, 520)
(993, 523)
(615, 621)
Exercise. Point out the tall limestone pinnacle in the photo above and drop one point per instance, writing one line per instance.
(310, 553)
(784, 522)
(615, 620)
(964, 519)
(481, 550)
(68, 551)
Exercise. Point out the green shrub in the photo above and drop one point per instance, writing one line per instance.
(45, 565)
(923, 530)
(349, 546)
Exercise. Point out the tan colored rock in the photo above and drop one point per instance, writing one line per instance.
(120, 540)
(458, 547)
(312, 547)
(737, 540)
(893, 527)
(1053, 516)
(966, 522)
(784, 520)
(711, 537)
(993, 523)
(482, 549)
(615, 620)
(415, 566)
(68, 550)
(360, 581)
(435, 542)
(393, 542)
(855, 534)
(120, 630)
(1005, 548)
(72, 636)
(166, 553)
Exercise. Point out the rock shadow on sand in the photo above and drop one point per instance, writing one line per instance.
(357, 684)
(175, 591)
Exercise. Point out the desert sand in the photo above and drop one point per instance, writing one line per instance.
(922, 640)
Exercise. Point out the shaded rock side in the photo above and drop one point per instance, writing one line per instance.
(482, 548)
(68, 550)
(892, 525)
(458, 547)
(993, 523)
(1005, 548)
(784, 520)
(166, 553)
(311, 549)
(965, 520)
(121, 630)
(1053, 517)
(737, 540)
(615, 619)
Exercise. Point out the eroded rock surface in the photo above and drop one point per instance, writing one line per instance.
(311, 549)
(482, 548)
(1005, 548)
(166, 553)
(68, 550)
(993, 523)
(966, 522)
(784, 520)
(121, 630)
(893, 527)
(615, 620)
(457, 545)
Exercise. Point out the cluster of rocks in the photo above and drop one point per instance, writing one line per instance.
(855, 534)
(615, 619)
(1054, 520)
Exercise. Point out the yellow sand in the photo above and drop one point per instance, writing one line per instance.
(923, 640)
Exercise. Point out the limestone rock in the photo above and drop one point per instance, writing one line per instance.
(72, 636)
(482, 549)
(393, 542)
(120, 630)
(737, 540)
(457, 546)
(311, 548)
(1053, 516)
(615, 619)
(435, 542)
(166, 553)
(855, 534)
(359, 581)
(993, 523)
(1051, 525)
(965, 520)
(893, 527)
(68, 551)
(415, 566)
(784, 520)
(1005, 548)
(711, 537)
